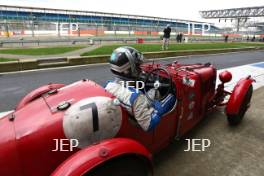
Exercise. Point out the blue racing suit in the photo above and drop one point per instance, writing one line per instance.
(147, 114)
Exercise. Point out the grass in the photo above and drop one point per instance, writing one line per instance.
(40, 51)
(7, 60)
(108, 49)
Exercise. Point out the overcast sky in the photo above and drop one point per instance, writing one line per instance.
(185, 9)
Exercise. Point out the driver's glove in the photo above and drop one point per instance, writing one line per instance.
(160, 109)
(157, 106)
(165, 105)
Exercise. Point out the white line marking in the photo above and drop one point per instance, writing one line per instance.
(3, 114)
(239, 72)
(99, 64)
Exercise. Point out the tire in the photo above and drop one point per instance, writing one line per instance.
(235, 119)
(124, 166)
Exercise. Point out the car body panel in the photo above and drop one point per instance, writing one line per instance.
(90, 157)
(9, 157)
(37, 93)
(237, 96)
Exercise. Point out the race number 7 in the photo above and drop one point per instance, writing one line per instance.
(94, 114)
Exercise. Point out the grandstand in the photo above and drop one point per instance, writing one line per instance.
(247, 21)
(16, 20)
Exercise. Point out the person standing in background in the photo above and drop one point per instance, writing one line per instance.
(226, 38)
(166, 37)
(178, 38)
(253, 39)
(181, 37)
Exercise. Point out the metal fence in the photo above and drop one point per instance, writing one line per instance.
(41, 28)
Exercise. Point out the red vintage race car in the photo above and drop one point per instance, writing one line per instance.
(79, 129)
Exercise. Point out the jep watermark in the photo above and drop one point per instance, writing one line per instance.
(197, 145)
(65, 145)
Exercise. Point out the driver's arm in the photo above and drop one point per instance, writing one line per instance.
(148, 116)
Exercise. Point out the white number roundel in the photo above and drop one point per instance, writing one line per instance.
(91, 120)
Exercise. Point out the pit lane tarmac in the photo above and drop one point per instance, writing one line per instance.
(234, 151)
(14, 86)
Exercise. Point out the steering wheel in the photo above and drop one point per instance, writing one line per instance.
(154, 81)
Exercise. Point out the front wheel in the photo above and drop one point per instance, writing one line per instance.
(126, 166)
(235, 119)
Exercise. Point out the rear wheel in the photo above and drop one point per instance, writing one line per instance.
(125, 166)
(237, 118)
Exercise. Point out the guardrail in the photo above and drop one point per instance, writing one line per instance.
(98, 40)
(71, 41)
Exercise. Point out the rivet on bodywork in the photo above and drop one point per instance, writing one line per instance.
(11, 117)
(103, 152)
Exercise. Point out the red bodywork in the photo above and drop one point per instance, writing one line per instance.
(27, 134)
(237, 96)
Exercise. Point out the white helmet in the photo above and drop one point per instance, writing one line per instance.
(125, 62)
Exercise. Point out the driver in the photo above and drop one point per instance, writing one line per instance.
(125, 64)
